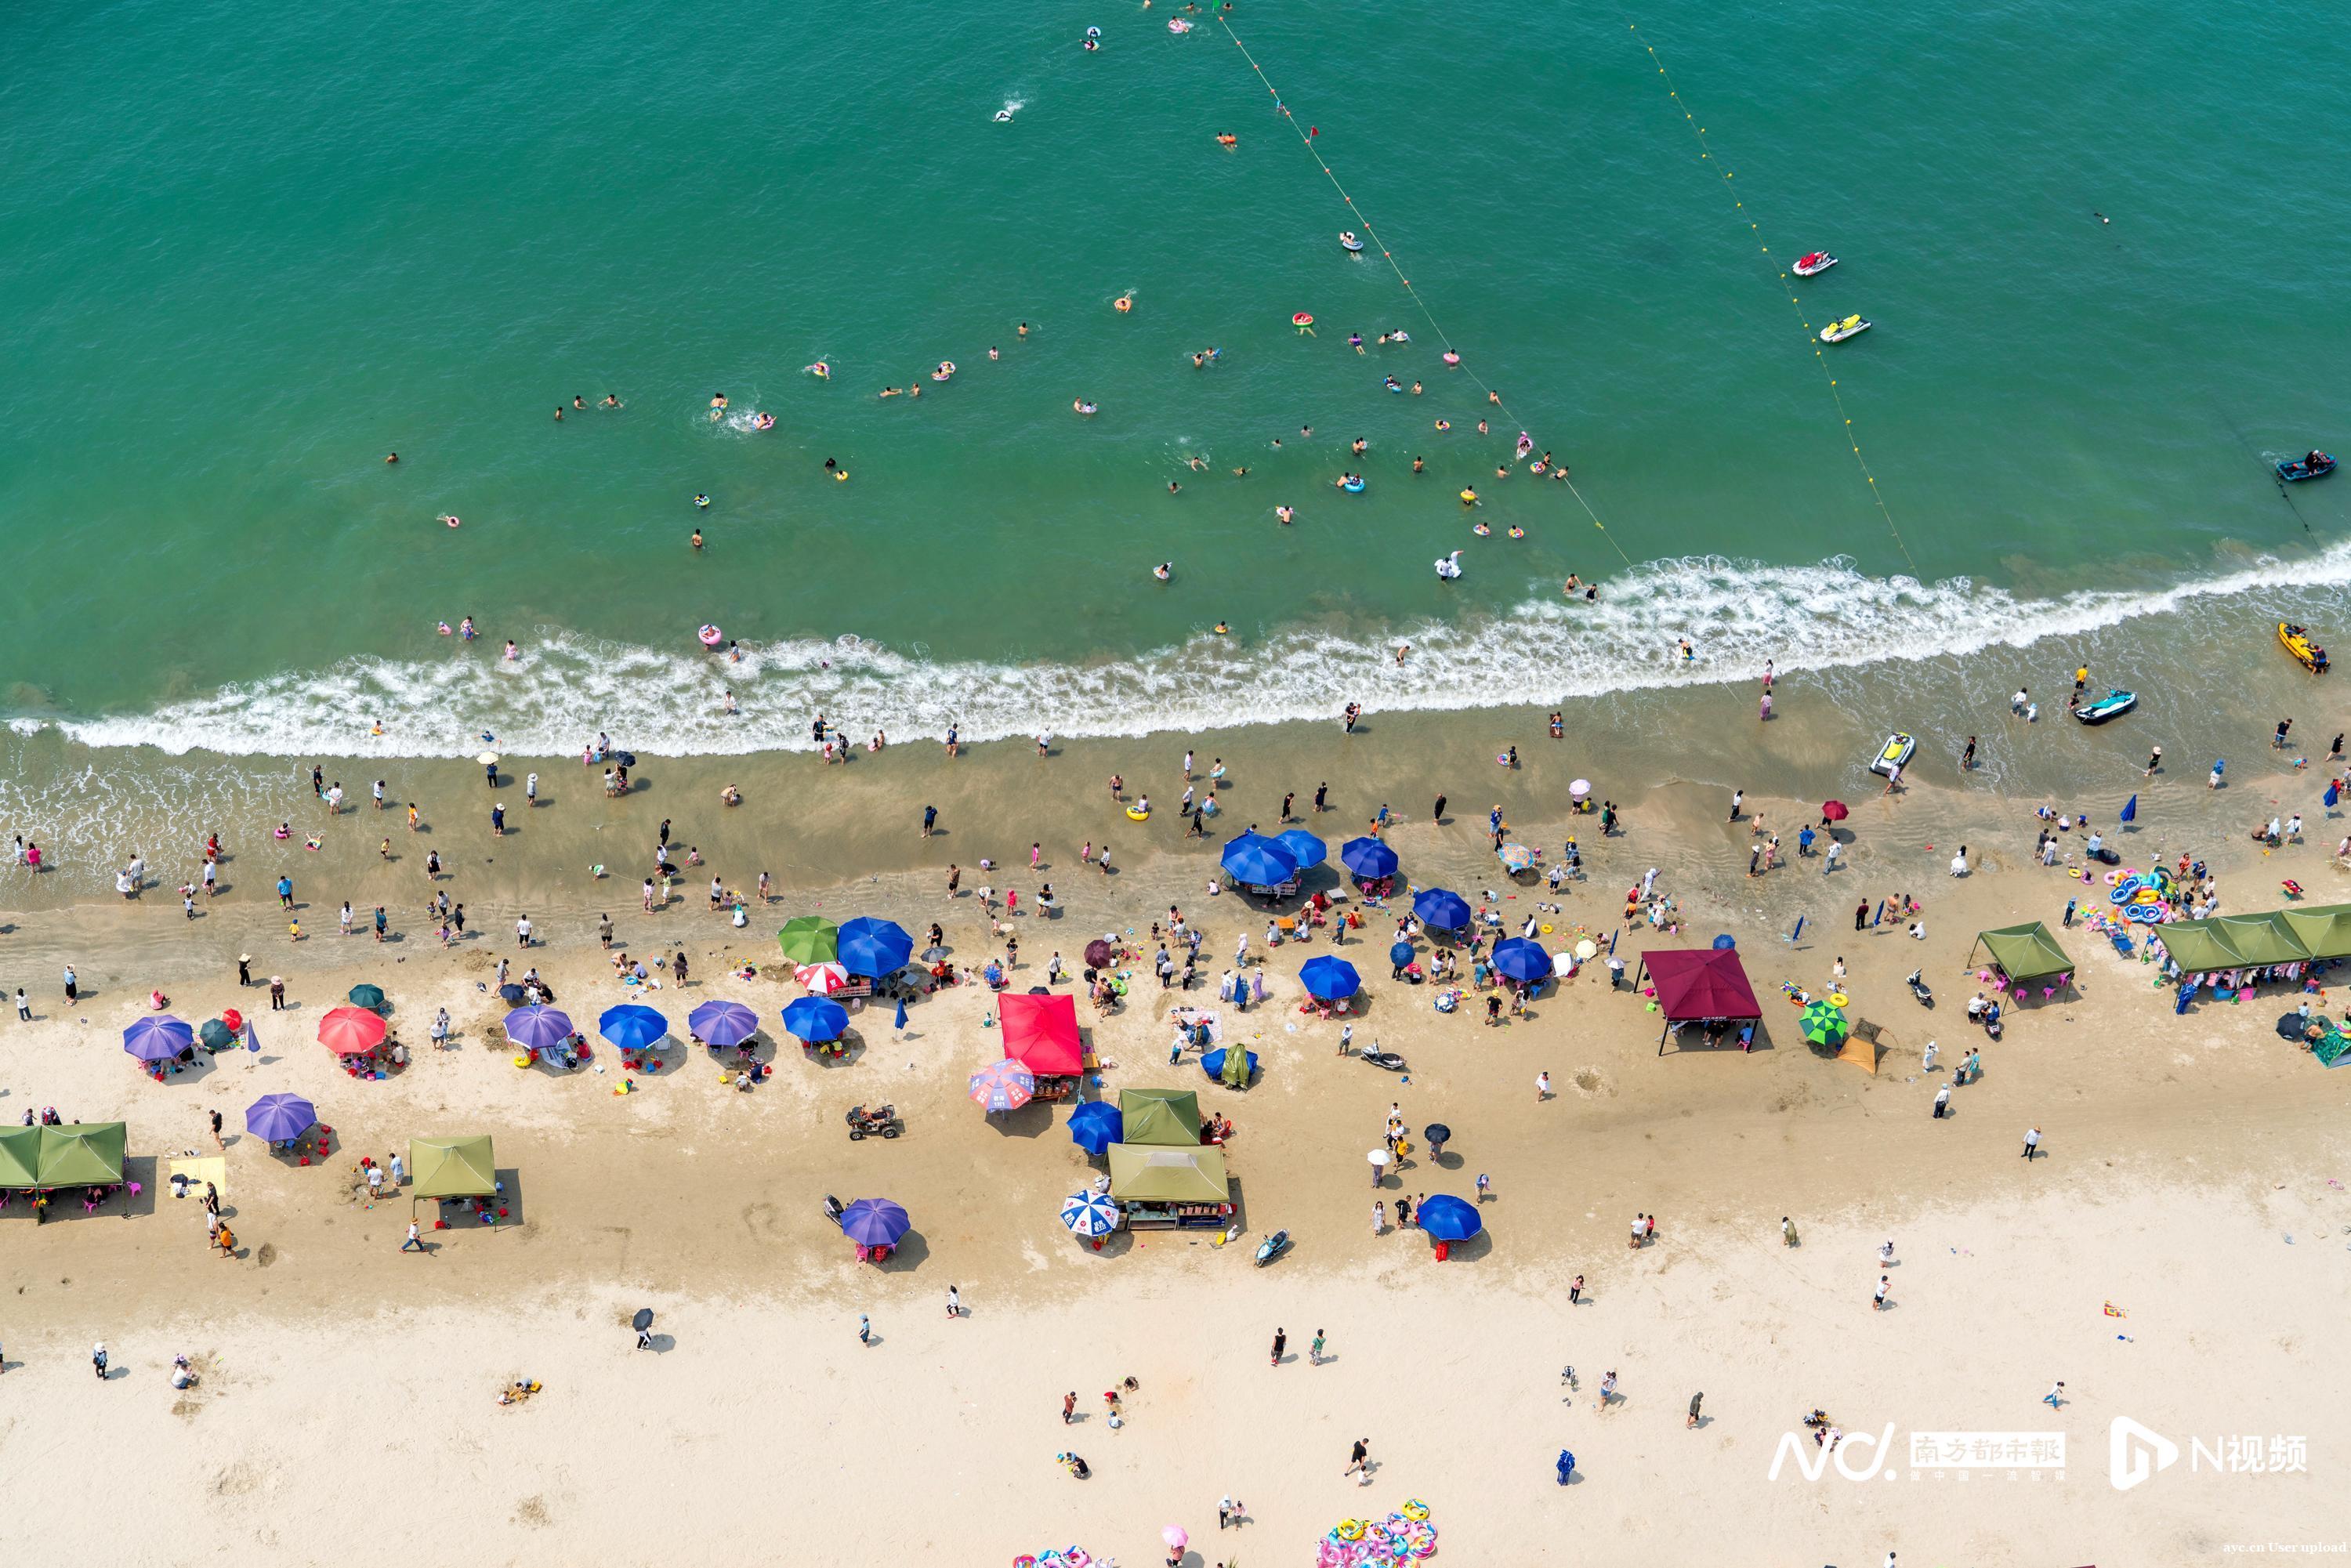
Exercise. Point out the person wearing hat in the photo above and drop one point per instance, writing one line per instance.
(98, 1359)
(245, 969)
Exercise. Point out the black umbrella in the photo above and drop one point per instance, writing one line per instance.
(2291, 1026)
(1437, 1133)
(511, 993)
(642, 1321)
(1098, 952)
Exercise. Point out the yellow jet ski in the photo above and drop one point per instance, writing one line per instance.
(2306, 653)
(1838, 331)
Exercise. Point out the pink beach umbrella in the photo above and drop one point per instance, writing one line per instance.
(1174, 1537)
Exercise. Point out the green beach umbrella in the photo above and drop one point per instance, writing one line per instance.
(217, 1035)
(369, 997)
(1823, 1024)
(805, 939)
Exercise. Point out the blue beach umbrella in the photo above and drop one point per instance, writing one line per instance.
(2131, 809)
(275, 1118)
(1440, 909)
(158, 1038)
(900, 1022)
(631, 1027)
(1303, 847)
(1400, 954)
(1516, 958)
(874, 1222)
(1259, 861)
(816, 1020)
(537, 1027)
(1449, 1218)
(1330, 978)
(875, 947)
(1368, 857)
(723, 1023)
(1096, 1125)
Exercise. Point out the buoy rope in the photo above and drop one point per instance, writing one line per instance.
(1371, 234)
(1706, 155)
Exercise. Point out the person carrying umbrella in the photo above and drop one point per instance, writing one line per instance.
(643, 1322)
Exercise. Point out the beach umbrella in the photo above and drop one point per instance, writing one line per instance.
(1090, 1213)
(486, 758)
(1377, 1157)
(1834, 811)
(874, 1222)
(1174, 1535)
(1799, 931)
(2130, 810)
(816, 1020)
(1440, 909)
(1303, 847)
(1516, 958)
(351, 1031)
(723, 1023)
(633, 1028)
(252, 1041)
(1330, 978)
(1516, 857)
(1259, 861)
(158, 1038)
(368, 997)
(1096, 1125)
(1003, 1085)
(1400, 954)
(809, 940)
(642, 1320)
(217, 1035)
(1578, 790)
(899, 1023)
(823, 980)
(537, 1027)
(1098, 954)
(1724, 942)
(875, 947)
(279, 1118)
(1449, 1218)
(1823, 1024)
(1437, 1133)
(1367, 858)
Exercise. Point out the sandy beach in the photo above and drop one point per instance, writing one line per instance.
(2190, 1177)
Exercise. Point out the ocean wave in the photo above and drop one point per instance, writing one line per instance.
(1736, 615)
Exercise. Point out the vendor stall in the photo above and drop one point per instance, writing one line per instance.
(1170, 1188)
(1041, 1034)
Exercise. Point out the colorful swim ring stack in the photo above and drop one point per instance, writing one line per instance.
(1404, 1537)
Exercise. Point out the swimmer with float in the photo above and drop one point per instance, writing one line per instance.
(1164, 570)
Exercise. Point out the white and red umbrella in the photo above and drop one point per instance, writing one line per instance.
(822, 979)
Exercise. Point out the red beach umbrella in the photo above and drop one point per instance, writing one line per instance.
(1834, 811)
(351, 1031)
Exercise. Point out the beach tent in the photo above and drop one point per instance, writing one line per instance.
(1698, 985)
(20, 1157)
(2025, 952)
(1042, 1033)
(2232, 941)
(1168, 1176)
(88, 1154)
(2323, 929)
(1164, 1117)
(452, 1167)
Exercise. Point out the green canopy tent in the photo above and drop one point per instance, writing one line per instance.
(453, 1167)
(20, 1157)
(2024, 952)
(2231, 942)
(1168, 1176)
(1167, 1118)
(2323, 929)
(87, 1154)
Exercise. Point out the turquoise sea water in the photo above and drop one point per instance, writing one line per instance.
(246, 252)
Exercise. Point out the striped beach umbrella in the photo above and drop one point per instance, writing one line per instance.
(1090, 1214)
(822, 979)
(1003, 1085)
(1823, 1023)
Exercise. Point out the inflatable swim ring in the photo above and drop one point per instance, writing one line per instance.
(1351, 1530)
(1301, 319)
(1352, 486)
(711, 636)
(1178, 25)
(1451, 358)
(1546, 931)
(1838, 998)
(1414, 1509)
(821, 371)
(453, 520)
(1134, 816)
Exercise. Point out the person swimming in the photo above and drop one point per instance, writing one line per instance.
(1221, 629)
(1226, 139)
(1164, 570)
(1284, 515)
(1481, 530)
(763, 421)
(821, 370)
(702, 500)
(442, 628)
(1122, 304)
(1444, 424)
(1082, 406)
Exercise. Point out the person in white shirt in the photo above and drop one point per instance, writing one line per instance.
(522, 931)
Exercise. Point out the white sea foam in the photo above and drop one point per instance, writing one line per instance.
(1737, 614)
